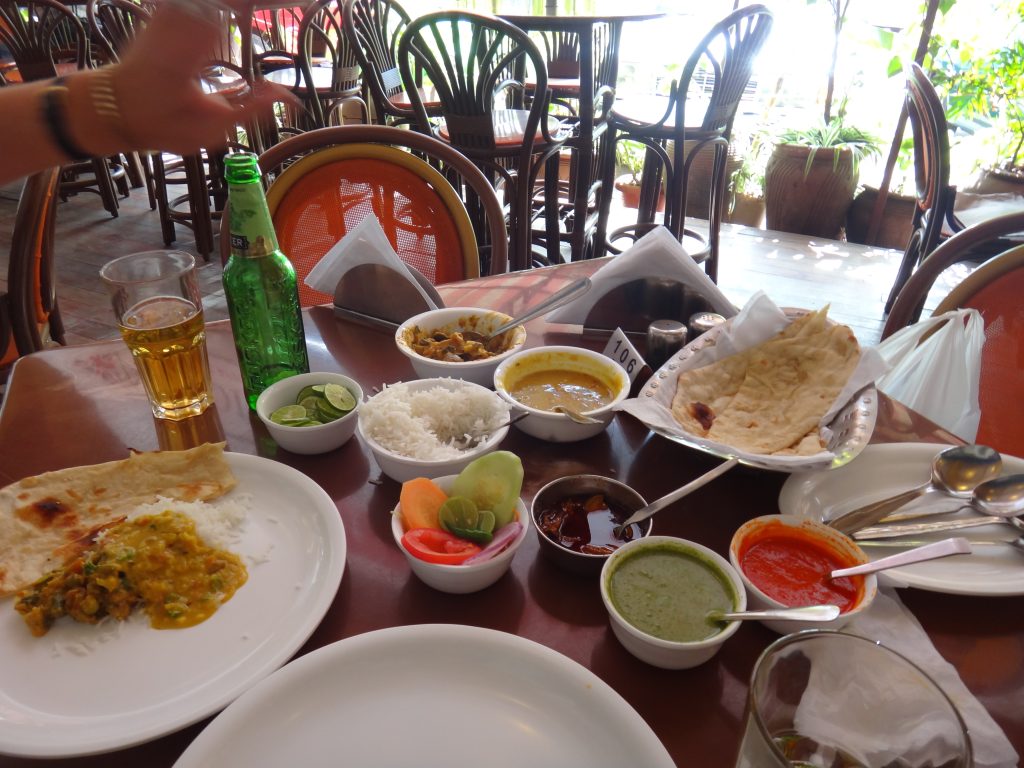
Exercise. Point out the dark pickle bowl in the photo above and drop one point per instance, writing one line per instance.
(575, 485)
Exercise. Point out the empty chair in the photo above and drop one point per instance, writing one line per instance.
(328, 180)
(933, 212)
(673, 137)
(478, 64)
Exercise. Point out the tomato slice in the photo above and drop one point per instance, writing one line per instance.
(436, 546)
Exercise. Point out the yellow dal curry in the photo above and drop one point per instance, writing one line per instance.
(158, 562)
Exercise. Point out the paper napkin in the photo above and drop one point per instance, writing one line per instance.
(658, 254)
(365, 243)
(890, 623)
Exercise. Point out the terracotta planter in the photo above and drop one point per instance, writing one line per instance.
(631, 193)
(746, 210)
(698, 192)
(813, 202)
(897, 219)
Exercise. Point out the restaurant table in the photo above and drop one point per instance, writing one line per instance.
(84, 404)
(599, 38)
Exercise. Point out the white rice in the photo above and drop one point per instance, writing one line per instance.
(219, 523)
(429, 424)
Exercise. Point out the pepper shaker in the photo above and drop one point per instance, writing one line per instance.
(664, 339)
(702, 322)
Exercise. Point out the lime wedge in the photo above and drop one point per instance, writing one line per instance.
(339, 397)
(288, 414)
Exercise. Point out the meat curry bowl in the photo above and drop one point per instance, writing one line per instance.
(451, 343)
(542, 379)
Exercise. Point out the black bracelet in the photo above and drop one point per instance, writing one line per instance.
(55, 115)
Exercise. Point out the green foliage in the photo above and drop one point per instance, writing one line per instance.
(833, 135)
(631, 154)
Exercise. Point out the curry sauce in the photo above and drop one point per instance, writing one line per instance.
(157, 562)
(577, 390)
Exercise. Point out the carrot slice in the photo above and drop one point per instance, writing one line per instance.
(420, 501)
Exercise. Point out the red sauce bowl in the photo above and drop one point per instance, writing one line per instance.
(784, 561)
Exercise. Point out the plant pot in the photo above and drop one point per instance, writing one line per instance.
(698, 186)
(631, 193)
(1001, 179)
(809, 202)
(897, 219)
(747, 210)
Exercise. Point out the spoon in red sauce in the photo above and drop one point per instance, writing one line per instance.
(944, 548)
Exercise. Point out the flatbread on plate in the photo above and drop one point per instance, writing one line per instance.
(769, 399)
(46, 520)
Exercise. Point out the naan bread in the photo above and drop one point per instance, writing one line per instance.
(770, 398)
(48, 519)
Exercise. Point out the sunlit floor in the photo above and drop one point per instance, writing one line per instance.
(853, 281)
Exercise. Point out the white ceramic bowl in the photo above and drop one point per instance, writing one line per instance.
(670, 654)
(460, 579)
(400, 467)
(557, 427)
(316, 439)
(483, 321)
(830, 537)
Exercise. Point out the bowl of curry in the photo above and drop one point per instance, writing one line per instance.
(785, 561)
(541, 379)
(454, 343)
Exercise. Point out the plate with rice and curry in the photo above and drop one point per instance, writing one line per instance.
(778, 389)
(139, 596)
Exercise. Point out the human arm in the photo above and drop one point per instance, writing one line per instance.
(159, 101)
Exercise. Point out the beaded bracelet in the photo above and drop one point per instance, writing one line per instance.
(54, 105)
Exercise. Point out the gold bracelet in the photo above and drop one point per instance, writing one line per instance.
(107, 107)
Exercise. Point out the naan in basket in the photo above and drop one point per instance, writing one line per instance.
(46, 520)
(770, 398)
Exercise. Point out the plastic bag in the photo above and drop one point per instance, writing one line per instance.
(939, 377)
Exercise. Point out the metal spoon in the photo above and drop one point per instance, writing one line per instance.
(933, 551)
(1017, 543)
(999, 500)
(475, 439)
(656, 506)
(564, 296)
(956, 471)
(574, 415)
(803, 613)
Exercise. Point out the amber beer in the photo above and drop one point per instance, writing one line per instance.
(159, 311)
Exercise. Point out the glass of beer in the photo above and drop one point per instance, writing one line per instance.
(159, 310)
(821, 697)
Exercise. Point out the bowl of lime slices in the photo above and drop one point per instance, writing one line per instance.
(311, 412)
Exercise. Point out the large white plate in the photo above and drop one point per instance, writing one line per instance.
(84, 689)
(429, 695)
(885, 470)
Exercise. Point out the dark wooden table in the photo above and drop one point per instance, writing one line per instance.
(84, 404)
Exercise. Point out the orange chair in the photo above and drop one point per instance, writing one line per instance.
(328, 180)
(29, 315)
(994, 289)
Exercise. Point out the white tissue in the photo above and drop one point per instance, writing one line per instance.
(365, 243)
(656, 254)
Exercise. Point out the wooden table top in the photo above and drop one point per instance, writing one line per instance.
(84, 404)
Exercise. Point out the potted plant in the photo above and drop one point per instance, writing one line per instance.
(812, 175)
(746, 184)
(629, 157)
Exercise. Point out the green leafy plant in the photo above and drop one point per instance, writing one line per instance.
(987, 87)
(748, 179)
(833, 135)
(630, 155)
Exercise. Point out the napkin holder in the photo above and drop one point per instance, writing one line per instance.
(634, 305)
(381, 297)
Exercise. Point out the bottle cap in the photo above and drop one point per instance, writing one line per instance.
(664, 339)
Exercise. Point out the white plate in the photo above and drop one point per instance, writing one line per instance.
(84, 689)
(885, 470)
(441, 695)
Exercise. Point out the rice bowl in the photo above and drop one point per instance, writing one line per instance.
(431, 427)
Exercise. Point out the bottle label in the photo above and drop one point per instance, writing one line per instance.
(252, 231)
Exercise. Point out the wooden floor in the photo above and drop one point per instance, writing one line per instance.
(793, 272)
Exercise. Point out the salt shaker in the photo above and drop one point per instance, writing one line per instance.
(664, 339)
(702, 322)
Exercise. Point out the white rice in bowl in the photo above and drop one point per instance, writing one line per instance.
(430, 423)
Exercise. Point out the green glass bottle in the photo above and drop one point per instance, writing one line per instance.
(260, 286)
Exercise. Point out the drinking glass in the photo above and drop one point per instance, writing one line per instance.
(159, 310)
(825, 698)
